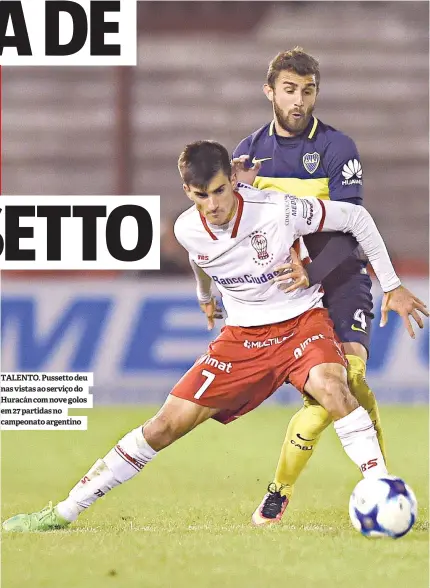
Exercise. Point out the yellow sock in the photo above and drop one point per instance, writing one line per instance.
(303, 433)
(364, 395)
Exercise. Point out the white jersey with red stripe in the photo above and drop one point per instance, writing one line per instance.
(242, 255)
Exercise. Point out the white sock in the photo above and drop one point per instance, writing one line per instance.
(358, 437)
(122, 463)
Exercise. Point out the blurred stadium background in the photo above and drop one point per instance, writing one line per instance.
(200, 69)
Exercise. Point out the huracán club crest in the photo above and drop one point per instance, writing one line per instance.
(259, 243)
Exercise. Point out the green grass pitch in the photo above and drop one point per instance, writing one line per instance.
(185, 520)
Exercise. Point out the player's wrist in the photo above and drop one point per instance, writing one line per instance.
(204, 299)
(392, 287)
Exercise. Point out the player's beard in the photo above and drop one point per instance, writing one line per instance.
(290, 124)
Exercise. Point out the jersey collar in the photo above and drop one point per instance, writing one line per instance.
(311, 132)
(239, 213)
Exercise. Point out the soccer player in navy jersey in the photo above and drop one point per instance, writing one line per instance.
(298, 154)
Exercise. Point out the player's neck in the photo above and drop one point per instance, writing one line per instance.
(281, 132)
(233, 210)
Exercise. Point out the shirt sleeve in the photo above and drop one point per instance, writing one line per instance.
(304, 215)
(243, 148)
(344, 169)
(203, 283)
(315, 215)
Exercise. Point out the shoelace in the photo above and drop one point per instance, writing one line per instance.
(273, 503)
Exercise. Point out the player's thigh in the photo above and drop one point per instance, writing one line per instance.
(350, 307)
(314, 343)
(186, 413)
(319, 366)
(325, 374)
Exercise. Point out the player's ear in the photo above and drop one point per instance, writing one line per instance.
(268, 90)
(187, 190)
(233, 180)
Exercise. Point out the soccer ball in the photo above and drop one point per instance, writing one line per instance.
(383, 507)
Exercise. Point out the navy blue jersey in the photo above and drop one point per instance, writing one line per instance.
(320, 162)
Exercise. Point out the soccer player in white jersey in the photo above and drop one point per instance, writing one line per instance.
(237, 241)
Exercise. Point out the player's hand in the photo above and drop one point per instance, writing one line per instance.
(245, 174)
(406, 304)
(212, 311)
(292, 271)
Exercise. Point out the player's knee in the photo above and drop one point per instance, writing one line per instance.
(160, 431)
(339, 401)
(334, 393)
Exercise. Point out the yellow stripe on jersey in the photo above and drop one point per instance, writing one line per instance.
(314, 128)
(317, 187)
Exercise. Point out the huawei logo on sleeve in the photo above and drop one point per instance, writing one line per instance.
(352, 172)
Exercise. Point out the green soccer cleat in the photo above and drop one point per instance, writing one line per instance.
(47, 519)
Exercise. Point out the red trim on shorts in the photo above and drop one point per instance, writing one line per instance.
(321, 225)
(238, 217)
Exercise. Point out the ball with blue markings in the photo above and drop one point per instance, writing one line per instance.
(383, 507)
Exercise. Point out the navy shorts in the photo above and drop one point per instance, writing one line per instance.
(350, 304)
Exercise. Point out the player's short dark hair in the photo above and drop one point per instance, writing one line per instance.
(296, 60)
(200, 161)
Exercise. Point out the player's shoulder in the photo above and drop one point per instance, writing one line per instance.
(251, 194)
(251, 140)
(334, 139)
